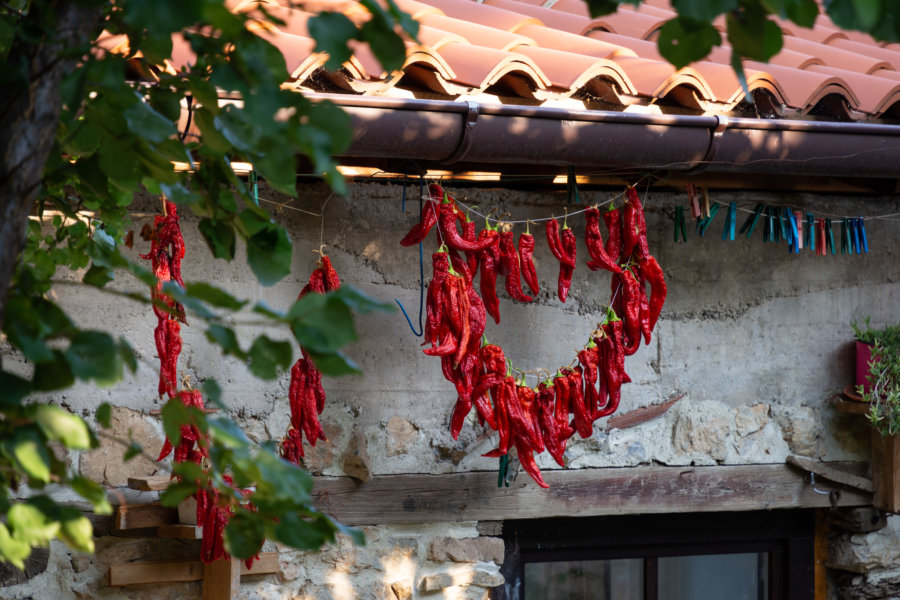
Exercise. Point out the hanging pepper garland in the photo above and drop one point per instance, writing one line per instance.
(533, 420)
(306, 394)
(165, 256)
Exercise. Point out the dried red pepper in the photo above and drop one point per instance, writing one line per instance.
(613, 219)
(594, 242)
(554, 440)
(658, 289)
(489, 263)
(568, 245)
(631, 296)
(450, 235)
(420, 230)
(526, 260)
(634, 230)
(509, 261)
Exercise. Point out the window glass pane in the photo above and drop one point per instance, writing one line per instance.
(732, 576)
(585, 580)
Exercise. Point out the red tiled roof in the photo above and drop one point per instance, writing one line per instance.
(553, 53)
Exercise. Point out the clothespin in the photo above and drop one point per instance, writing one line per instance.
(693, 201)
(793, 238)
(861, 222)
(820, 237)
(798, 231)
(502, 475)
(254, 184)
(811, 232)
(767, 225)
(830, 231)
(730, 218)
(679, 224)
(783, 226)
(857, 242)
(846, 245)
(704, 223)
(571, 186)
(750, 223)
(706, 202)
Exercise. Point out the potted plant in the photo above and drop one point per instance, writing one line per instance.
(881, 389)
(878, 374)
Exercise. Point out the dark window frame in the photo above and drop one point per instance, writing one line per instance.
(786, 535)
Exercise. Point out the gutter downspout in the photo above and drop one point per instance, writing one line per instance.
(445, 132)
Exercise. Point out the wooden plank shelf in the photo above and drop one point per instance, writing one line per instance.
(572, 493)
(169, 571)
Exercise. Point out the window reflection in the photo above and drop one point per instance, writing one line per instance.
(585, 580)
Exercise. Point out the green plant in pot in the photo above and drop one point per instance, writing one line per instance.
(882, 389)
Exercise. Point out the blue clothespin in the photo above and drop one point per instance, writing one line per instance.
(810, 231)
(830, 237)
(750, 224)
(704, 224)
(730, 222)
(856, 241)
(793, 234)
(862, 234)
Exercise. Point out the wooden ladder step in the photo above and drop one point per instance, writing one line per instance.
(139, 516)
(149, 484)
(167, 571)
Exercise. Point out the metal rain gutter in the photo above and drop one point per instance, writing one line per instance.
(448, 132)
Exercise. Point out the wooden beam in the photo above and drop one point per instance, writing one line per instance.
(186, 532)
(136, 516)
(167, 571)
(221, 579)
(572, 493)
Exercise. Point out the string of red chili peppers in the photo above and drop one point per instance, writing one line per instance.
(306, 394)
(534, 419)
(166, 253)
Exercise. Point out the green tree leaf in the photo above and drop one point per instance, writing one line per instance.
(703, 10)
(98, 276)
(269, 254)
(269, 357)
(331, 30)
(93, 493)
(177, 492)
(76, 530)
(31, 524)
(753, 35)
(57, 424)
(303, 534)
(244, 535)
(29, 451)
(13, 389)
(93, 355)
(682, 41)
(214, 296)
(13, 550)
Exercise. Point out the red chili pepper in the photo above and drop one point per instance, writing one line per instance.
(434, 310)
(594, 242)
(449, 233)
(489, 262)
(582, 421)
(331, 280)
(471, 235)
(645, 306)
(421, 229)
(531, 407)
(634, 233)
(563, 399)
(613, 220)
(568, 245)
(509, 260)
(526, 260)
(526, 459)
(459, 265)
(658, 289)
(520, 421)
(590, 361)
(554, 441)
(631, 295)
(556, 245)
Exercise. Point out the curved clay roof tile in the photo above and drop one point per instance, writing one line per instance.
(556, 19)
(836, 57)
(803, 89)
(876, 94)
(298, 52)
(417, 10)
(480, 68)
(569, 71)
(485, 14)
(647, 76)
(475, 34)
(631, 24)
(433, 38)
(885, 54)
(547, 37)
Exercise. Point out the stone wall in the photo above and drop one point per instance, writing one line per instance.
(754, 341)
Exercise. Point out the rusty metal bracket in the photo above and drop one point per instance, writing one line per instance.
(712, 149)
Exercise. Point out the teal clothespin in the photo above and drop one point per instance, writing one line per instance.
(502, 475)
(679, 224)
(854, 228)
(254, 185)
(571, 186)
(712, 213)
(750, 224)
(810, 232)
(793, 234)
(845, 238)
(730, 219)
(830, 237)
(862, 234)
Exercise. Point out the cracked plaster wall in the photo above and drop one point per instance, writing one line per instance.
(756, 340)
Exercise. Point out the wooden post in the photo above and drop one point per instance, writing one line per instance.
(886, 471)
(221, 579)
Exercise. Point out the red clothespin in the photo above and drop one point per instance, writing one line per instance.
(693, 201)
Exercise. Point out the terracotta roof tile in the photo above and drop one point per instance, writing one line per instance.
(535, 51)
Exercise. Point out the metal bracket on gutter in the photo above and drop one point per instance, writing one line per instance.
(711, 150)
(465, 141)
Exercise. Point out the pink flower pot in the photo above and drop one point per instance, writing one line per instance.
(863, 357)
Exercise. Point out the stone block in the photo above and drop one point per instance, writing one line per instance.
(355, 460)
(487, 578)
(864, 552)
(105, 464)
(401, 434)
(702, 429)
(433, 583)
(802, 431)
(750, 419)
(480, 549)
(322, 455)
(402, 590)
